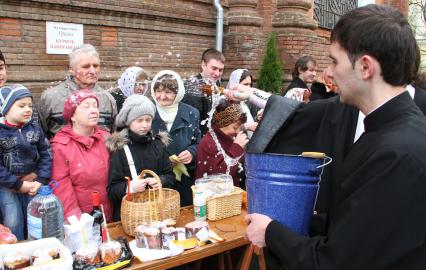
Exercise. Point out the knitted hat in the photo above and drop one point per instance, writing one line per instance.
(134, 107)
(10, 94)
(74, 100)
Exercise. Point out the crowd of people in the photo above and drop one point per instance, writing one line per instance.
(363, 112)
(89, 139)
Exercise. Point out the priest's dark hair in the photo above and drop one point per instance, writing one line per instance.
(383, 33)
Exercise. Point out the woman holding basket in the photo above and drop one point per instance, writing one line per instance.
(146, 150)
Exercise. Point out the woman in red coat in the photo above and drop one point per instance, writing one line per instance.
(80, 157)
(228, 119)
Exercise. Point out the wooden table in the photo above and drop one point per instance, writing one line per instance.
(233, 239)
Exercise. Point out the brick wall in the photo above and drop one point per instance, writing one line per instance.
(161, 34)
(10, 29)
(152, 34)
(322, 52)
(266, 10)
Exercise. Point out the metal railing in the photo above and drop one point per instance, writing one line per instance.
(328, 12)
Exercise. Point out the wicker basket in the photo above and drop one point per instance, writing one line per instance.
(223, 206)
(137, 211)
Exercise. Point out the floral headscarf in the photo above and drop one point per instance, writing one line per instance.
(128, 79)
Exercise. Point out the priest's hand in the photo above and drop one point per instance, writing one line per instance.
(256, 229)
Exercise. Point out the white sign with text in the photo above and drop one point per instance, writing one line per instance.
(62, 38)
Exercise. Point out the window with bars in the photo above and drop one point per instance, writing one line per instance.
(328, 12)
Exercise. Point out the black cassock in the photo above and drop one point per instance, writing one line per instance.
(376, 205)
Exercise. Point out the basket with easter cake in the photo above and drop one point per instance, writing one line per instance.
(140, 208)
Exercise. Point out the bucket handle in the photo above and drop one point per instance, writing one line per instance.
(327, 159)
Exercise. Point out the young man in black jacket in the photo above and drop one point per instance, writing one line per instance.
(212, 65)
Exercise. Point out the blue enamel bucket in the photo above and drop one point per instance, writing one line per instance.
(284, 187)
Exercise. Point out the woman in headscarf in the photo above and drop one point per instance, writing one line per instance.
(242, 76)
(221, 150)
(134, 80)
(181, 121)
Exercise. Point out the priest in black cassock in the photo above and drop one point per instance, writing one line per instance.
(377, 213)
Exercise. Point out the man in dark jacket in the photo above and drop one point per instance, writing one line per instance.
(304, 72)
(377, 202)
(212, 65)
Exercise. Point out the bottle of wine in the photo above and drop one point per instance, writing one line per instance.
(97, 214)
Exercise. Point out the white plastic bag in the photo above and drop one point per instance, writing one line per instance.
(79, 233)
(215, 184)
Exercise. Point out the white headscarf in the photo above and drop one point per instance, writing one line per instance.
(128, 79)
(168, 113)
(234, 79)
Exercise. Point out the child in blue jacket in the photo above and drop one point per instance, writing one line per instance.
(25, 156)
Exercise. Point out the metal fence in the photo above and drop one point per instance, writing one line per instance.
(328, 12)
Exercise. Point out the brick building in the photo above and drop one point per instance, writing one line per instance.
(163, 34)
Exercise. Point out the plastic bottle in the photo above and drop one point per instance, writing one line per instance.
(45, 215)
(200, 208)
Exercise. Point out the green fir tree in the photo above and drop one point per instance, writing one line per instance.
(271, 73)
